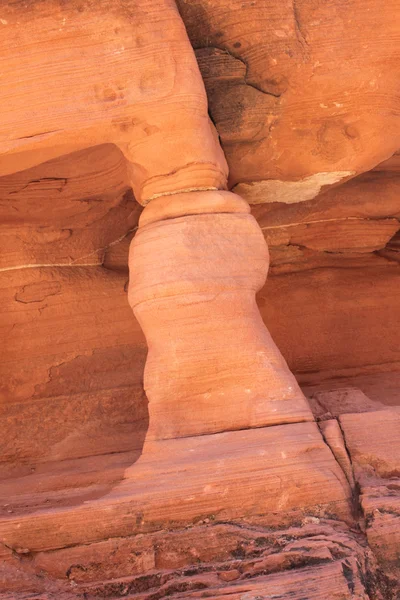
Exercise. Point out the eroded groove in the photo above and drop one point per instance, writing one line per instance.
(252, 84)
(40, 134)
(298, 26)
(61, 181)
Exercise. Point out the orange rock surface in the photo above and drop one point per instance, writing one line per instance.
(302, 93)
(212, 366)
(171, 452)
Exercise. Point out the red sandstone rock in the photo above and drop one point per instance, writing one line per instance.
(195, 203)
(345, 400)
(334, 438)
(116, 97)
(68, 211)
(212, 366)
(200, 558)
(235, 547)
(372, 439)
(373, 443)
(73, 357)
(339, 236)
(71, 368)
(229, 575)
(382, 388)
(341, 316)
(374, 195)
(338, 580)
(273, 471)
(302, 95)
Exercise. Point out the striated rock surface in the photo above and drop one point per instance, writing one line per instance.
(303, 94)
(88, 49)
(70, 211)
(212, 365)
(255, 500)
(376, 460)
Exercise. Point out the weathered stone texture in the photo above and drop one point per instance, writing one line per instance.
(304, 98)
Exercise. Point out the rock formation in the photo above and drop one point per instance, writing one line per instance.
(199, 470)
(212, 366)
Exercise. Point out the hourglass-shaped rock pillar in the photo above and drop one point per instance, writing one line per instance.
(196, 263)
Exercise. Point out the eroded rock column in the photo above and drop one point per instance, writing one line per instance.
(196, 263)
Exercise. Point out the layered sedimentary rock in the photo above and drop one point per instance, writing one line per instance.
(302, 93)
(219, 555)
(256, 499)
(212, 366)
(88, 48)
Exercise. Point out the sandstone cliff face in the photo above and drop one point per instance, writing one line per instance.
(304, 99)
